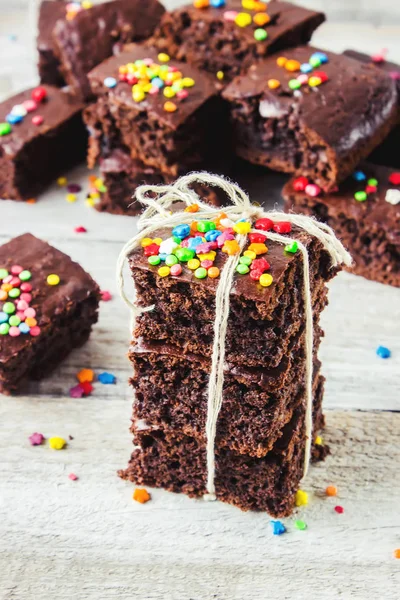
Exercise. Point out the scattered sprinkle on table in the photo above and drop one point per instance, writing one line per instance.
(86, 387)
(80, 229)
(396, 553)
(278, 527)
(331, 490)
(383, 352)
(107, 378)
(36, 439)
(85, 375)
(76, 391)
(141, 495)
(105, 296)
(62, 181)
(301, 498)
(339, 509)
(72, 477)
(57, 443)
(301, 525)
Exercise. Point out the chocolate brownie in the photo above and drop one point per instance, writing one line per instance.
(387, 153)
(50, 11)
(122, 174)
(48, 306)
(311, 112)
(92, 35)
(172, 126)
(227, 37)
(365, 214)
(177, 462)
(41, 136)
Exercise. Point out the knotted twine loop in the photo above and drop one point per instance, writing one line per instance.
(158, 215)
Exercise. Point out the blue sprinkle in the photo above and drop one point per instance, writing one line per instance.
(383, 352)
(12, 37)
(157, 82)
(194, 242)
(321, 56)
(212, 235)
(3, 317)
(217, 3)
(110, 82)
(277, 527)
(306, 68)
(163, 256)
(107, 378)
(359, 176)
(181, 231)
(13, 119)
(24, 328)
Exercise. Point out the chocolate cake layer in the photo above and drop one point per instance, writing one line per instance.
(318, 121)
(50, 11)
(207, 38)
(169, 459)
(370, 228)
(171, 391)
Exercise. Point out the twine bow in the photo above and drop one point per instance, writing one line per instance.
(158, 215)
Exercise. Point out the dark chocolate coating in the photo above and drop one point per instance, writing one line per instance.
(89, 38)
(50, 11)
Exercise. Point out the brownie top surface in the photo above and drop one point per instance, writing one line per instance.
(42, 260)
(392, 69)
(56, 108)
(203, 89)
(375, 210)
(284, 17)
(351, 104)
(49, 13)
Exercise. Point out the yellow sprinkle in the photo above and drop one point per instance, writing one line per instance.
(208, 255)
(248, 4)
(243, 227)
(243, 19)
(169, 92)
(318, 440)
(53, 279)
(62, 181)
(193, 264)
(314, 81)
(170, 107)
(163, 57)
(146, 242)
(87, 4)
(301, 498)
(273, 84)
(188, 82)
(266, 279)
(281, 61)
(90, 202)
(70, 197)
(192, 208)
(138, 95)
(250, 254)
(57, 443)
(292, 65)
(157, 241)
(261, 19)
(164, 271)
(220, 75)
(258, 248)
(201, 3)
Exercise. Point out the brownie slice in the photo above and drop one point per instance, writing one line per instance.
(43, 144)
(226, 38)
(92, 35)
(311, 113)
(50, 11)
(170, 459)
(48, 306)
(171, 133)
(369, 227)
(392, 69)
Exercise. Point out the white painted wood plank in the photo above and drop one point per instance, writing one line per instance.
(87, 540)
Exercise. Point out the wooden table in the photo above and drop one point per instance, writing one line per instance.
(87, 540)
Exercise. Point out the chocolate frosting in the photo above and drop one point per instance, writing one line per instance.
(50, 12)
(390, 68)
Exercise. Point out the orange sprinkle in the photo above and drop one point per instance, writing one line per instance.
(281, 61)
(85, 375)
(213, 272)
(273, 84)
(331, 490)
(6, 287)
(31, 322)
(193, 226)
(292, 65)
(261, 6)
(92, 178)
(192, 208)
(396, 553)
(31, 201)
(231, 247)
(261, 19)
(201, 3)
(141, 495)
(170, 106)
(258, 248)
(3, 295)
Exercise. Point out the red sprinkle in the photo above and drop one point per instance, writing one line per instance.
(72, 477)
(87, 388)
(282, 227)
(395, 178)
(300, 183)
(257, 238)
(322, 75)
(151, 250)
(255, 274)
(105, 296)
(39, 94)
(371, 189)
(260, 264)
(339, 509)
(37, 120)
(80, 229)
(264, 224)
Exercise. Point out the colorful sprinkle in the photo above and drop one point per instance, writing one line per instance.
(273, 84)
(331, 490)
(396, 553)
(243, 19)
(57, 443)
(36, 439)
(318, 441)
(393, 197)
(266, 279)
(107, 378)
(72, 477)
(110, 82)
(292, 247)
(80, 229)
(278, 527)
(76, 391)
(301, 525)
(37, 120)
(339, 509)
(105, 295)
(200, 273)
(141, 495)
(85, 375)
(5, 129)
(301, 498)
(383, 352)
(53, 279)
(260, 35)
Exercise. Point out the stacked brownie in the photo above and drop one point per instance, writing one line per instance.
(261, 434)
(169, 123)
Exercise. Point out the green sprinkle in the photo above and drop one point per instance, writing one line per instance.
(373, 182)
(315, 61)
(4, 328)
(245, 260)
(242, 269)
(260, 35)
(25, 275)
(294, 84)
(14, 293)
(14, 321)
(154, 260)
(204, 226)
(200, 273)
(300, 525)
(176, 240)
(3, 273)
(361, 196)
(293, 247)
(9, 308)
(184, 254)
(5, 128)
(171, 260)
